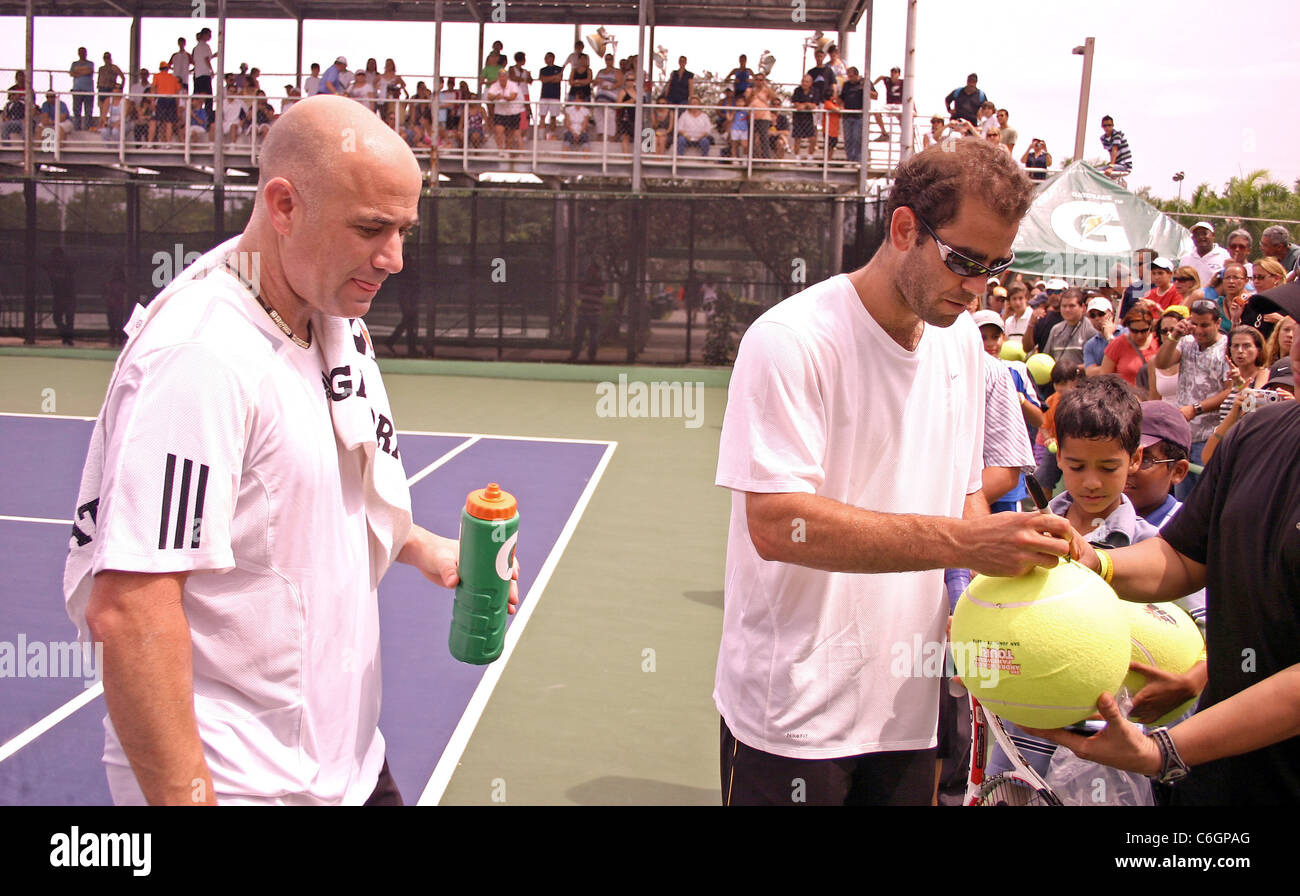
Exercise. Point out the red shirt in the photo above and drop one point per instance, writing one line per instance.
(1165, 299)
(1128, 360)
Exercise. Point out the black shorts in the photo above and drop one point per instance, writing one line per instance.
(751, 777)
(509, 122)
(164, 108)
(803, 126)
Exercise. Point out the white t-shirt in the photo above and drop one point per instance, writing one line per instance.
(1016, 326)
(1209, 265)
(505, 100)
(310, 85)
(202, 59)
(220, 459)
(363, 94)
(180, 65)
(816, 664)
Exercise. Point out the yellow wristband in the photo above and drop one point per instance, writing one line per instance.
(1107, 565)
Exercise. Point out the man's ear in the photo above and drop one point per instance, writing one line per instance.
(903, 227)
(1179, 471)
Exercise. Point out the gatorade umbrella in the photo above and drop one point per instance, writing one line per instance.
(1082, 223)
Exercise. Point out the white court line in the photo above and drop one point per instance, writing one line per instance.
(13, 746)
(400, 432)
(488, 435)
(442, 773)
(47, 416)
(440, 461)
(34, 519)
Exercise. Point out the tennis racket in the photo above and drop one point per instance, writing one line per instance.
(1021, 786)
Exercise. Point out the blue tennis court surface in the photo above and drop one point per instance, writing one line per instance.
(51, 731)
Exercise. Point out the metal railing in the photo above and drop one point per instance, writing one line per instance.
(126, 137)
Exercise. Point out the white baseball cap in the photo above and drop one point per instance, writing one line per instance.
(1100, 303)
(1056, 283)
(1206, 224)
(989, 317)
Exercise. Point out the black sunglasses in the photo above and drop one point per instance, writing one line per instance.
(961, 265)
(1148, 462)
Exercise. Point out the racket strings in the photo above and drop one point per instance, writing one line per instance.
(1006, 790)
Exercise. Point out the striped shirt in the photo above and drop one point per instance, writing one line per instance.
(1117, 141)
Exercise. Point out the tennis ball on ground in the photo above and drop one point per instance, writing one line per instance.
(1040, 367)
(1162, 635)
(1039, 649)
(1012, 351)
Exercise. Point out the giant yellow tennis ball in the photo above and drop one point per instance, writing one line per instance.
(1040, 367)
(1012, 351)
(1162, 635)
(1039, 649)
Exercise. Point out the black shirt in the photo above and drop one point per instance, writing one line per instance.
(1044, 327)
(851, 94)
(550, 91)
(1253, 314)
(1243, 522)
(679, 84)
(823, 82)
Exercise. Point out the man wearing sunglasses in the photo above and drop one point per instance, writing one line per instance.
(852, 446)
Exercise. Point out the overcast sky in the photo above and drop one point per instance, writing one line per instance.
(1201, 87)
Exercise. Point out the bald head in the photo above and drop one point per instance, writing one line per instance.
(327, 140)
(337, 194)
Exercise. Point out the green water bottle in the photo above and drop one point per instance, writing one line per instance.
(489, 528)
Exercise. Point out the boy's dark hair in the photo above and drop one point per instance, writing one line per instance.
(1101, 407)
(1066, 370)
(1169, 450)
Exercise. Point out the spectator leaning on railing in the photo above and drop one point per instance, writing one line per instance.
(851, 96)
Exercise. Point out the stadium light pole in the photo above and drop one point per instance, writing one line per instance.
(1081, 128)
(908, 124)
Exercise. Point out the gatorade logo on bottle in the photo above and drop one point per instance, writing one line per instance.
(504, 556)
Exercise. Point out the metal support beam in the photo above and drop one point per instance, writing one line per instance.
(133, 56)
(1081, 126)
(218, 129)
(297, 67)
(29, 269)
(29, 101)
(478, 68)
(638, 93)
(437, 92)
(864, 156)
(837, 237)
(909, 84)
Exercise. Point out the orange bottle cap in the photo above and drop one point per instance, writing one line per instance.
(491, 503)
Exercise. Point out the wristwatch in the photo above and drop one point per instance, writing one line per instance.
(1196, 409)
(1172, 767)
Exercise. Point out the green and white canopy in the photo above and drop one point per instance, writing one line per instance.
(1082, 223)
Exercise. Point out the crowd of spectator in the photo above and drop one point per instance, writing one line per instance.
(1191, 331)
(821, 116)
